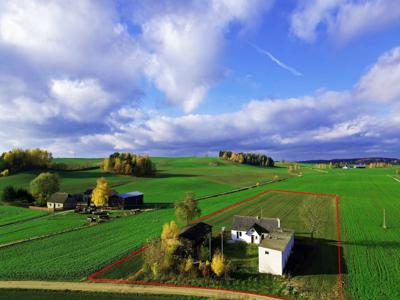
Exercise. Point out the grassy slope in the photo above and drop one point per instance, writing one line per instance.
(372, 255)
(175, 177)
(41, 226)
(77, 254)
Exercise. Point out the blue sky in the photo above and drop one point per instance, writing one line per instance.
(293, 79)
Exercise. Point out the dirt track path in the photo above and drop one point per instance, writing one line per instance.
(126, 289)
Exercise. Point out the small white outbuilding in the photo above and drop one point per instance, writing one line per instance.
(274, 252)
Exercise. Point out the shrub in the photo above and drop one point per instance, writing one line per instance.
(17, 196)
(43, 186)
(5, 173)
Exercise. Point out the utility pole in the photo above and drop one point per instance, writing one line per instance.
(222, 241)
(384, 219)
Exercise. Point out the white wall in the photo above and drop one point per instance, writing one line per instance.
(246, 236)
(55, 206)
(270, 261)
(275, 261)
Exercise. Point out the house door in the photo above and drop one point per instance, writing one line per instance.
(237, 234)
(252, 239)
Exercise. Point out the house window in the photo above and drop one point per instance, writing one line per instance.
(256, 237)
(266, 252)
(240, 233)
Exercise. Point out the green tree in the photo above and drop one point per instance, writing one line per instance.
(43, 186)
(187, 209)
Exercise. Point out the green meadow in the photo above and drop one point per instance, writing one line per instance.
(371, 254)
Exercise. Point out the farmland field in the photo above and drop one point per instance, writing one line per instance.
(85, 251)
(315, 275)
(11, 214)
(371, 254)
(41, 226)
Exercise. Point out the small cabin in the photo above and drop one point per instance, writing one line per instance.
(61, 201)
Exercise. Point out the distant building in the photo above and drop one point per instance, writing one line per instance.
(274, 251)
(117, 201)
(252, 229)
(129, 200)
(345, 167)
(61, 201)
(196, 235)
(360, 166)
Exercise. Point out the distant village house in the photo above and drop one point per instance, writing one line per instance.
(61, 201)
(196, 235)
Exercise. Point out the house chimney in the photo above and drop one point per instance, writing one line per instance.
(279, 222)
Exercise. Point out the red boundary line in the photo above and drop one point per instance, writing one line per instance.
(93, 277)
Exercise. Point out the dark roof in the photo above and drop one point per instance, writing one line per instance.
(259, 229)
(244, 223)
(131, 194)
(58, 198)
(195, 232)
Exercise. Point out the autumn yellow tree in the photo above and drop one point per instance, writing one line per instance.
(170, 237)
(218, 264)
(101, 193)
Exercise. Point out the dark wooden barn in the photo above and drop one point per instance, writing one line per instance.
(129, 200)
(196, 235)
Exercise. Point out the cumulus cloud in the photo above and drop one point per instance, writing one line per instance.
(185, 44)
(343, 19)
(381, 83)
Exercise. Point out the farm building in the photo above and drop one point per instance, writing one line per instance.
(360, 166)
(61, 201)
(119, 201)
(196, 235)
(274, 251)
(252, 229)
(130, 200)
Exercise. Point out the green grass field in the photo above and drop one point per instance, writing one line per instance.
(61, 295)
(371, 254)
(41, 226)
(314, 271)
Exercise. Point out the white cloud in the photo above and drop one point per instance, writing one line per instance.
(343, 19)
(381, 83)
(81, 100)
(186, 43)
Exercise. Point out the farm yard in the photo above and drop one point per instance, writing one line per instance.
(371, 254)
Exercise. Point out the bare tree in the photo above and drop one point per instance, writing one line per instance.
(313, 216)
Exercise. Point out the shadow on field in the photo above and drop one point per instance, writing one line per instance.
(315, 257)
(170, 175)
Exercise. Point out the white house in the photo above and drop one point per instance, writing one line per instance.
(61, 201)
(253, 229)
(274, 251)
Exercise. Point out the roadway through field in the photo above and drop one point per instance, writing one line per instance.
(131, 289)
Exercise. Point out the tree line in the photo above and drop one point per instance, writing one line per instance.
(129, 164)
(254, 159)
(19, 160)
